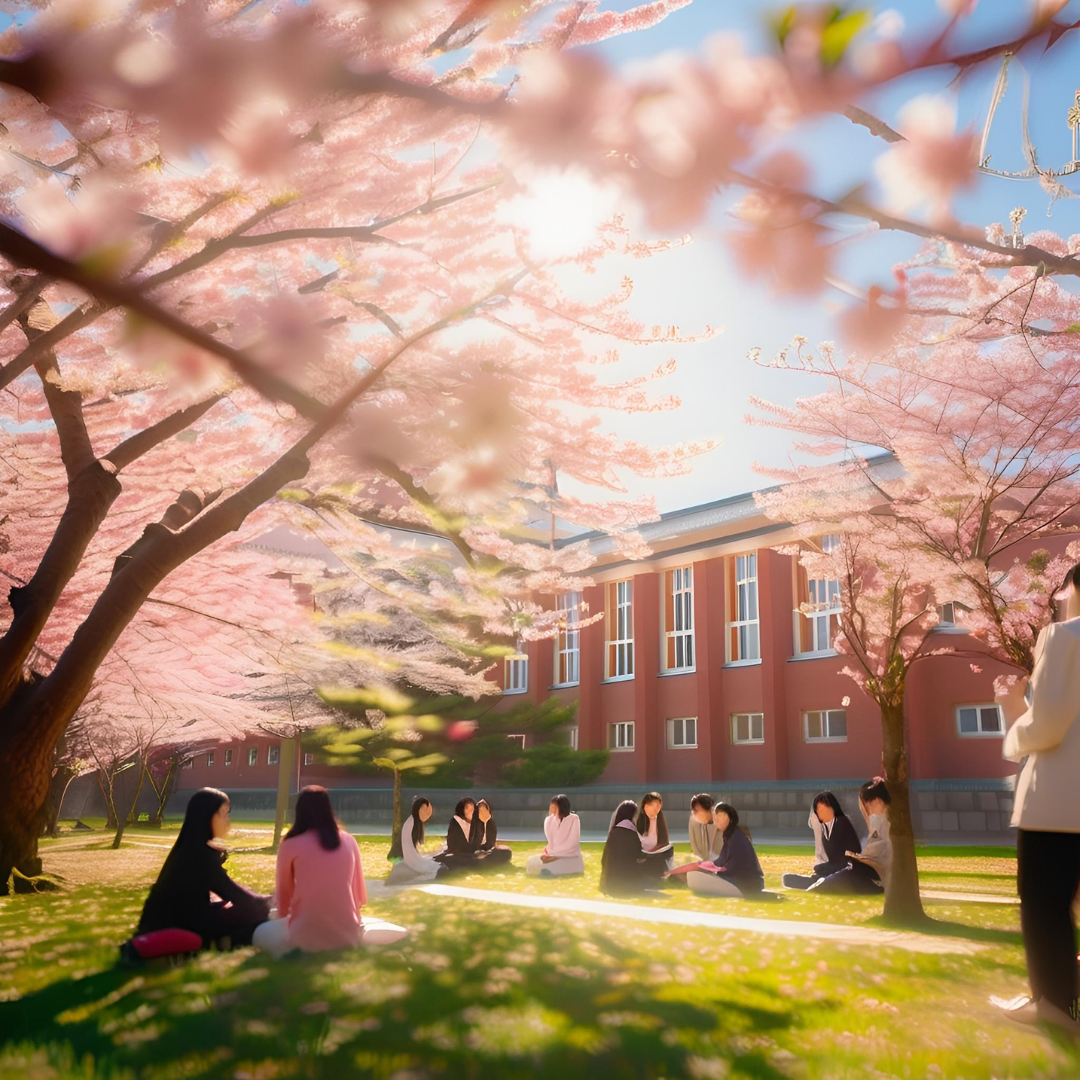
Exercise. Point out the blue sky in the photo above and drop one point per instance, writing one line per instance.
(699, 284)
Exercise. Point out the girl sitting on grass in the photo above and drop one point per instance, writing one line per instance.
(735, 871)
(180, 898)
(834, 837)
(320, 887)
(867, 872)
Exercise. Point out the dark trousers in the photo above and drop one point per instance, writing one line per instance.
(1047, 878)
(856, 879)
(821, 870)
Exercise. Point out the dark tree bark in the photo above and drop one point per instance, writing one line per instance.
(902, 901)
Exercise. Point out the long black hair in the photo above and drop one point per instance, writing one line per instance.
(197, 829)
(562, 805)
(703, 801)
(314, 811)
(625, 811)
(661, 824)
(418, 803)
(831, 801)
(459, 810)
(733, 817)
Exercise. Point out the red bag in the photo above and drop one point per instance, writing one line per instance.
(166, 943)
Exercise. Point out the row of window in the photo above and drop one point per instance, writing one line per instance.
(815, 628)
(824, 725)
(273, 756)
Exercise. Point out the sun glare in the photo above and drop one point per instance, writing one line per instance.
(560, 210)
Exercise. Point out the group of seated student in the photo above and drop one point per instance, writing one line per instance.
(319, 885)
(471, 843)
(842, 865)
(726, 863)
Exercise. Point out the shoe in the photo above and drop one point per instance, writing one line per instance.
(1021, 1009)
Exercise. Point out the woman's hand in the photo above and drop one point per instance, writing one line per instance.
(1009, 693)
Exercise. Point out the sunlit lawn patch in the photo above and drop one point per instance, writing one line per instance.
(480, 990)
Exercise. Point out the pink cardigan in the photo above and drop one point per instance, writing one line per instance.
(320, 892)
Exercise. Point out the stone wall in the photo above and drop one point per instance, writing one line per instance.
(945, 808)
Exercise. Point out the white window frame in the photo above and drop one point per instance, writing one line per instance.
(568, 640)
(744, 599)
(519, 739)
(749, 718)
(621, 737)
(516, 672)
(572, 737)
(228, 756)
(980, 734)
(619, 621)
(309, 758)
(823, 617)
(273, 755)
(679, 585)
(210, 754)
(948, 615)
(826, 725)
(188, 764)
(678, 737)
(253, 755)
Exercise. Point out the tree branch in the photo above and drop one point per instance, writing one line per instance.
(124, 453)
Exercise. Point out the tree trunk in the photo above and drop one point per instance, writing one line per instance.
(164, 793)
(54, 802)
(132, 815)
(106, 783)
(25, 773)
(286, 760)
(395, 839)
(902, 901)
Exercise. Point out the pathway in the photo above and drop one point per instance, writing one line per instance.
(838, 932)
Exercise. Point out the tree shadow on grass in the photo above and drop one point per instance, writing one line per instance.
(947, 928)
(484, 996)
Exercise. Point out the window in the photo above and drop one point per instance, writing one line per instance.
(975, 720)
(210, 758)
(677, 630)
(827, 726)
(744, 644)
(621, 735)
(951, 617)
(309, 759)
(619, 618)
(228, 757)
(817, 619)
(516, 672)
(748, 727)
(519, 739)
(189, 764)
(568, 640)
(572, 737)
(253, 756)
(273, 755)
(682, 733)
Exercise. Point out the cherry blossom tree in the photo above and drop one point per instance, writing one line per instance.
(236, 301)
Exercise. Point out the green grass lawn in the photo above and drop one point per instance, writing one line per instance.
(487, 991)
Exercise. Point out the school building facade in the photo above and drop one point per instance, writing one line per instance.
(698, 669)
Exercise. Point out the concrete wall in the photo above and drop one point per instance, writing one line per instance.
(977, 809)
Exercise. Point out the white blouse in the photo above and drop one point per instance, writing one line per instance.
(422, 864)
(563, 836)
(649, 841)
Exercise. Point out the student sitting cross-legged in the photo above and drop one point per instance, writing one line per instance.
(562, 852)
(867, 872)
(834, 836)
(415, 865)
(320, 887)
(625, 870)
(194, 869)
(702, 827)
(483, 838)
(735, 871)
(652, 828)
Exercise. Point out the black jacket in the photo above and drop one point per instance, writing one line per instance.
(842, 838)
(181, 895)
(740, 863)
(622, 867)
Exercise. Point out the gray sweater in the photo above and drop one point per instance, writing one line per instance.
(701, 839)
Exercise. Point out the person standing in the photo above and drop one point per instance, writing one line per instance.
(1044, 729)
